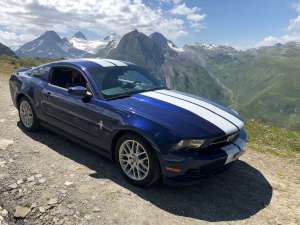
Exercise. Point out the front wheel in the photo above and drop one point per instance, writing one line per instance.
(27, 117)
(137, 160)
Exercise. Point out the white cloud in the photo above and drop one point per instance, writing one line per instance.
(32, 17)
(13, 40)
(271, 40)
(268, 41)
(292, 35)
(192, 14)
(295, 22)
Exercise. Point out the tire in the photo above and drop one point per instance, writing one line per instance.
(27, 116)
(143, 155)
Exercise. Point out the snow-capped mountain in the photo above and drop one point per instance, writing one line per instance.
(50, 45)
(79, 41)
(86, 45)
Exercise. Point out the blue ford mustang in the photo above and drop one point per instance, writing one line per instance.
(121, 111)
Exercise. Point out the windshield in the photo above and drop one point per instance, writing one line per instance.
(121, 82)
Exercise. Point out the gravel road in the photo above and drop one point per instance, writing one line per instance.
(45, 179)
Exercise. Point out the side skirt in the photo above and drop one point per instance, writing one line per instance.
(77, 140)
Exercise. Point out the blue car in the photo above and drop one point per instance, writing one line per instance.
(123, 112)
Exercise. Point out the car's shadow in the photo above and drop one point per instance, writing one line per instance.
(235, 194)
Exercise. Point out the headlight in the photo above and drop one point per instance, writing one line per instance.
(194, 143)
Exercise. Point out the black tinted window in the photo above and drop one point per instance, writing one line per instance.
(67, 77)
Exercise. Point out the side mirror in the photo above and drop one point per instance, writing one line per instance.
(78, 91)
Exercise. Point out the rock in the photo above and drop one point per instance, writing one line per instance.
(21, 212)
(31, 184)
(55, 220)
(4, 213)
(4, 143)
(30, 179)
(20, 181)
(96, 209)
(42, 209)
(52, 201)
(33, 205)
(42, 180)
(1, 219)
(2, 120)
(13, 186)
(68, 183)
(87, 217)
(38, 176)
(2, 163)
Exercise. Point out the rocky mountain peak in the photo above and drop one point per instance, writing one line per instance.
(50, 35)
(80, 35)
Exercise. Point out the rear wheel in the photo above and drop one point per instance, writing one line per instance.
(137, 160)
(27, 116)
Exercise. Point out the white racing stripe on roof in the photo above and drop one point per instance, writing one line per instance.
(207, 105)
(101, 62)
(116, 62)
(211, 117)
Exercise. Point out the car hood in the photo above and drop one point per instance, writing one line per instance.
(183, 114)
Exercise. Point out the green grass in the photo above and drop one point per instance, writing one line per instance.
(8, 63)
(278, 141)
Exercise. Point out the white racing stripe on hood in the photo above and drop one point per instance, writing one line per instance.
(116, 62)
(211, 117)
(206, 105)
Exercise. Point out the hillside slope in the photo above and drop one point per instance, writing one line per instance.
(4, 50)
(265, 82)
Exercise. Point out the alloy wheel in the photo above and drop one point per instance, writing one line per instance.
(134, 160)
(26, 114)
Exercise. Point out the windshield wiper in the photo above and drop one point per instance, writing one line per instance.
(154, 89)
(120, 96)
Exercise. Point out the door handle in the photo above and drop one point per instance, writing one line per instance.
(49, 93)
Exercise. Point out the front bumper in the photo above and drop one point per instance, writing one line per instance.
(190, 165)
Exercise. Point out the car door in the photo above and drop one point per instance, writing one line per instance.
(71, 114)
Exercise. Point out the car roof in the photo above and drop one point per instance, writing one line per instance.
(91, 62)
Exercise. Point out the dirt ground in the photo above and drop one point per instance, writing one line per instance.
(59, 182)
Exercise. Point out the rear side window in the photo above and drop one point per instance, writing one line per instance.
(66, 77)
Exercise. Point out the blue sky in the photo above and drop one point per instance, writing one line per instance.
(238, 23)
(242, 23)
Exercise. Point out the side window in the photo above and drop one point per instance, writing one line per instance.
(65, 77)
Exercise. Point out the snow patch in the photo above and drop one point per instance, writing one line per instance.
(88, 46)
(176, 49)
(206, 46)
